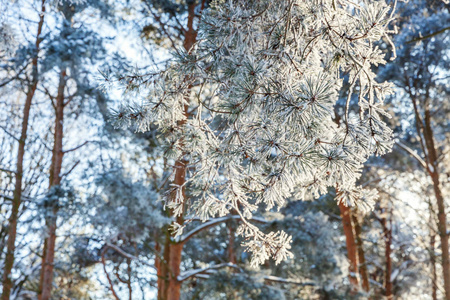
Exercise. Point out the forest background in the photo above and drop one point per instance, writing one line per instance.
(82, 196)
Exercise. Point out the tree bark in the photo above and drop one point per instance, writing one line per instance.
(174, 288)
(231, 253)
(433, 267)
(387, 232)
(169, 287)
(351, 246)
(361, 256)
(111, 285)
(163, 270)
(426, 138)
(17, 195)
(41, 275)
(442, 218)
(130, 288)
(442, 228)
(55, 179)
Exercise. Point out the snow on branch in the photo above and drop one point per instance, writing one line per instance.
(184, 238)
(411, 152)
(128, 255)
(288, 280)
(261, 87)
(191, 273)
(200, 273)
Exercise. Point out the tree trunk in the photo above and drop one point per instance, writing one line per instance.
(191, 34)
(387, 232)
(433, 267)
(163, 270)
(169, 287)
(174, 288)
(130, 288)
(17, 195)
(361, 256)
(55, 179)
(351, 246)
(442, 228)
(158, 265)
(442, 219)
(231, 253)
(41, 276)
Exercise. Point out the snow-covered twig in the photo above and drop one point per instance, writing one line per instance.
(199, 273)
(213, 222)
(127, 255)
(411, 152)
(191, 273)
(288, 280)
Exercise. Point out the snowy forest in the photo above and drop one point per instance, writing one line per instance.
(224, 149)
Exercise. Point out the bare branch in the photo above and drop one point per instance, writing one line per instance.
(52, 98)
(127, 255)
(8, 133)
(411, 152)
(163, 28)
(288, 280)
(71, 169)
(6, 82)
(76, 148)
(421, 38)
(6, 197)
(211, 223)
(7, 171)
(107, 275)
(188, 274)
(199, 273)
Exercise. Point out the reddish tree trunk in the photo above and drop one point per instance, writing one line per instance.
(173, 249)
(361, 256)
(130, 288)
(351, 246)
(163, 270)
(191, 34)
(169, 287)
(387, 232)
(174, 288)
(231, 253)
(55, 179)
(17, 195)
(442, 218)
(442, 229)
(158, 265)
(433, 267)
(41, 276)
(426, 137)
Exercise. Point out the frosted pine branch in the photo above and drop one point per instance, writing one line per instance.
(260, 89)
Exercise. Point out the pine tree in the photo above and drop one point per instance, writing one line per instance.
(56, 70)
(249, 110)
(17, 198)
(73, 50)
(417, 75)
